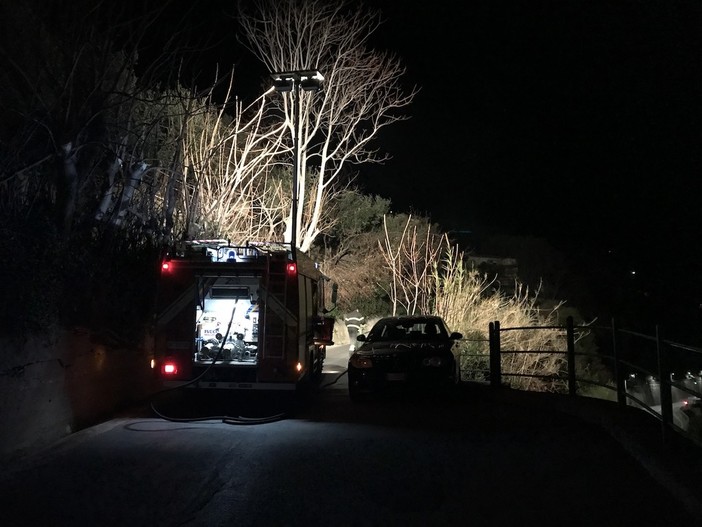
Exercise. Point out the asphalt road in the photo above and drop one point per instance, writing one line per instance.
(464, 460)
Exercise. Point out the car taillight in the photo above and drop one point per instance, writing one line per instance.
(169, 368)
(166, 266)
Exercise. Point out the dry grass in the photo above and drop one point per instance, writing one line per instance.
(469, 303)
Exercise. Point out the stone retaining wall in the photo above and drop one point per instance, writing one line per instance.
(51, 386)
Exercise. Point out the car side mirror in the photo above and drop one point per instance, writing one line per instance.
(456, 336)
(361, 338)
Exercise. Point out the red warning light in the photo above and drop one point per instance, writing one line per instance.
(169, 368)
(166, 266)
(292, 268)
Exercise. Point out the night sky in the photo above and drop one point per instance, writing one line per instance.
(541, 116)
(575, 121)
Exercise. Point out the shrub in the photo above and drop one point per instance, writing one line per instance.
(468, 302)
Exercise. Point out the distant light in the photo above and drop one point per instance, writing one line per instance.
(166, 266)
(298, 367)
(292, 268)
(632, 273)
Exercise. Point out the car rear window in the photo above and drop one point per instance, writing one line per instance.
(407, 330)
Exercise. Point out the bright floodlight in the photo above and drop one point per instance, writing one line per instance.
(306, 80)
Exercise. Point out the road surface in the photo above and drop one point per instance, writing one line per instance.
(465, 460)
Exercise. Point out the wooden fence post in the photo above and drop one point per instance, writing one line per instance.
(570, 339)
(495, 367)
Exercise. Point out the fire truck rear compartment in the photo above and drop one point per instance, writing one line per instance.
(226, 321)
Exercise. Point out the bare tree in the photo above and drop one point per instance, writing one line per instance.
(411, 260)
(106, 146)
(229, 154)
(84, 132)
(362, 91)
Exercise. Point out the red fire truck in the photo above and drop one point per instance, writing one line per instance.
(241, 317)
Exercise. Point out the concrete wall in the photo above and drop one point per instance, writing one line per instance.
(51, 386)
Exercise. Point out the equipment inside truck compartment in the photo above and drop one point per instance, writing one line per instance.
(228, 300)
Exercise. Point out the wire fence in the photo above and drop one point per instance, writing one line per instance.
(656, 375)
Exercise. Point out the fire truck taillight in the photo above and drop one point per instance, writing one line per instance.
(292, 268)
(169, 368)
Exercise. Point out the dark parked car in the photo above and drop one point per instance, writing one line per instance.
(410, 351)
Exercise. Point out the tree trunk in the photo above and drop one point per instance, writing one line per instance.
(133, 179)
(67, 191)
(109, 194)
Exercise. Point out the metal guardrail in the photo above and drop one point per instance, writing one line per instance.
(630, 354)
